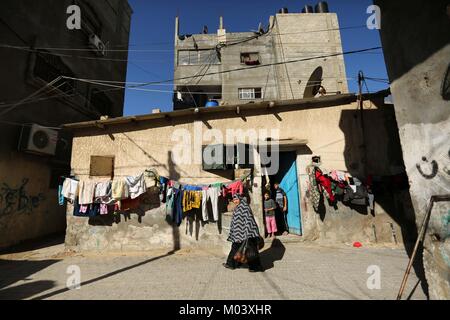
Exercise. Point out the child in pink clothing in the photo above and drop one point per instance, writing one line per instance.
(269, 209)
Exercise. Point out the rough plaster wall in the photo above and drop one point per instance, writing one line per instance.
(28, 208)
(141, 146)
(417, 57)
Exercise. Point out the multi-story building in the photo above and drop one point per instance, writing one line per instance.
(269, 64)
(36, 48)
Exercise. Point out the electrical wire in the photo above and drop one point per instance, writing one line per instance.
(251, 67)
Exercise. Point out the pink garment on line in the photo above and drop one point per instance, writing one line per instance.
(236, 187)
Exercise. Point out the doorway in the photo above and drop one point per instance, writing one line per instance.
(288, 179)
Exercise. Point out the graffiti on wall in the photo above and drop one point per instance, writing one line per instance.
(429, 169)
(17, 199)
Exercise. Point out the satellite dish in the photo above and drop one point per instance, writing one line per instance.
(314, 83)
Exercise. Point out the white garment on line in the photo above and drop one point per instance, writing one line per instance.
(103, 192)
(86, 192)
(212, 194)
(70, 189)
(136, 185)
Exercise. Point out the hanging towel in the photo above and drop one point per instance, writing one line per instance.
(136, 185)
(70, 189)
(119, 189)
(86, 192)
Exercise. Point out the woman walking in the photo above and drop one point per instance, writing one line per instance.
(243, 227)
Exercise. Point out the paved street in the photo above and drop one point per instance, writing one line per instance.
(294, 271)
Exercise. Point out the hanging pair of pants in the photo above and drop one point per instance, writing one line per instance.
(235, 247)
(213, 195)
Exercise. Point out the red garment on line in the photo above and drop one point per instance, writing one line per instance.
(325, 183)
(236, 187)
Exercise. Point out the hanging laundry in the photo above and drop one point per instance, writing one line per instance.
(104, 209)
(61, 199)
(178, 206)
(86, 191)
(103, 192)
(70, 189)
(90, 210)
(119, 189)
(211, 194)
(233, 188)
(191, 200)
(130, 204)
(169, 202)
(313, 187)
(136, 185)
(163, 181)
(325, 183)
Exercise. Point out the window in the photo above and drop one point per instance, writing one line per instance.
(197, 57)
(250, 58)
(102, 166)
(250, 93)
(48, 67)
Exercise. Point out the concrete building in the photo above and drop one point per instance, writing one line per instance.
(37, 47)
(330, 128)
(204, 62)
(416, 44)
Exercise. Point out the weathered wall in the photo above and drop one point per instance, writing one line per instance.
(42, 24)
(28, 207)
(416, 45)
(144, 145)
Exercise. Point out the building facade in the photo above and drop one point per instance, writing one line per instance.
(267, 60)
(37, 47)
(152, 142)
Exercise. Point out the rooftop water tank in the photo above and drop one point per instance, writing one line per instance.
(212, 103)
(307, 9)
(322, 7)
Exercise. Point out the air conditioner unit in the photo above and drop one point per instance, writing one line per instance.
(38, 139)
(97, 45)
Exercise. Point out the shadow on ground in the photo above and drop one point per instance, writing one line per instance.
(274, 253)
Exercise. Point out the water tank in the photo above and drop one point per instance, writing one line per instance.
(212, 103)
(322, 7)
(307, 9)
(283, 10)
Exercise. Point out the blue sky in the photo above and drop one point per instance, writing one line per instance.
(152, 29)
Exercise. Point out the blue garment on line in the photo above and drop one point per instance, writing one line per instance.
(61, 199)
(178, 206)
(192, 188)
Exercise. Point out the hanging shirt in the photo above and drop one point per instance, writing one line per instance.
(70, 189)
(86, 192)
(233, 188)
(119, 189)
(136, 185)
(103, 193)
(191, 200)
